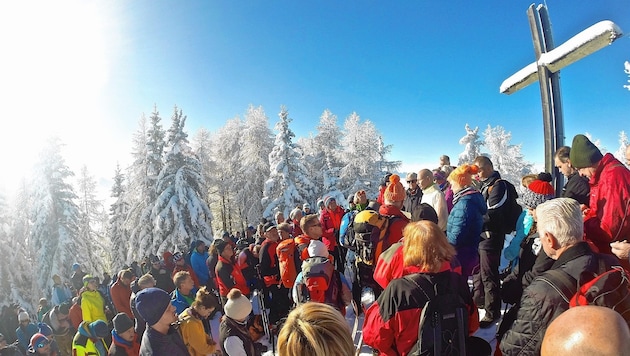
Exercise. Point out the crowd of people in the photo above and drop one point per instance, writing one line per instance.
(408, 246)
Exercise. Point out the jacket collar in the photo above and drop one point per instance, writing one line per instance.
(573, 252)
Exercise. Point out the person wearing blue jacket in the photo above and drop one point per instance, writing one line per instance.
(465, 221)
(198, 262)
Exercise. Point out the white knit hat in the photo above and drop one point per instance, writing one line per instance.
(238, 306)
(317, 248)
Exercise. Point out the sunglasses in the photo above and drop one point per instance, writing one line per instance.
(412, 181)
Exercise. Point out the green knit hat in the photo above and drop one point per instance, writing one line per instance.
(583, 152)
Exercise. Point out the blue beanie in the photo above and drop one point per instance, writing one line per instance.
(151, 303)
(99, 329)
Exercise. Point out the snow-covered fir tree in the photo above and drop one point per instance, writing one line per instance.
(226, 177)
(472, 146)
(326, 159)
(5, 250)
(597, 142)
(23, 289)
(288, 185)
(54, 236)
(92, 225)
(116, 226)
(383, 151)
(256, 145)
(147, 153)
(180, 214)
(506, 158)
(623, 144)
(360, 157)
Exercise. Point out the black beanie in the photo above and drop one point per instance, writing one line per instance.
(122, 323)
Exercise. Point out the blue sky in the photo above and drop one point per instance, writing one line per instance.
(419, 70)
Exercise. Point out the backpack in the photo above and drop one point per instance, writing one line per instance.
(609, 288)
(511, 209)
(443, 328)
(371, 230)
(346, 230)
(320, 282)
(288, 253)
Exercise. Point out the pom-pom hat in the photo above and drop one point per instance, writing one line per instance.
(237, 306)
(537, 192)
(462, 175)
(395, 191)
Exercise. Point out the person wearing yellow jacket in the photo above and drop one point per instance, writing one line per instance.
(89, 339)
(191, 324)
(92, 302)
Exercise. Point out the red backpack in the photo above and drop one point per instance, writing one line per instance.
(288, 253)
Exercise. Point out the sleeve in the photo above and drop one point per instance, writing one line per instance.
(456, 223)
(234, 346)
(265, 261)
(526, 334)
(511, 252)
(294, 289)
(440, 208)
(376, 333)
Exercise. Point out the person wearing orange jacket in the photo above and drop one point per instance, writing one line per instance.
(121, 292)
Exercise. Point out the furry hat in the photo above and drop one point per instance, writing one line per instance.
(395, 191)
(537, 192)
(151, 303)
(583, 152)
(238, 306)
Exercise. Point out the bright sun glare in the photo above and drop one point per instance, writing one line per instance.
(53, 69)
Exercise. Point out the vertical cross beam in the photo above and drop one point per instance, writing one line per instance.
(546, 69)
(553, 127)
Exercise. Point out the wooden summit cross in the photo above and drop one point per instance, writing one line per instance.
(546, 70)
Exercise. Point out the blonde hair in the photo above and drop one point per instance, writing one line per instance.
(315, 329)
(526, 179)
(426, 246)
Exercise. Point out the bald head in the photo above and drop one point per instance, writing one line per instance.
(425, 178)
(587, 330)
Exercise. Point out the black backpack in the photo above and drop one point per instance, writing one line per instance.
(511, 209)
(443, 326)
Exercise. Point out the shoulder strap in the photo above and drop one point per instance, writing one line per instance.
(423, 283)
(561, 282)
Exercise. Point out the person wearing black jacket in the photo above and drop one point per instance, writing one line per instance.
(576, 186)
(561, 230)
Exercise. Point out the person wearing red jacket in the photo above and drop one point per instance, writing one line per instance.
(331, 222)
(121, 292)
(228, 274)
(275, 293)
(125, 341)
(607, 219)
(392, 322)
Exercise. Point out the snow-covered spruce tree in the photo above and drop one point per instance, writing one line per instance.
(55, 219)
(23, 289)
(180, 214)
(623, 144)
(5, 250)
(472, 146)
(92, 225)
(116, 226)
(288, 185)
(202, 147)
(226, 178)
(360, 157)
(148, 143)
(256, 145)
(383, 151)
(507, 159)
(326, 158)
(596, 142)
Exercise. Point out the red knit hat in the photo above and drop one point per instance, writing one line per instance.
(541, 187)
(395, 191)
